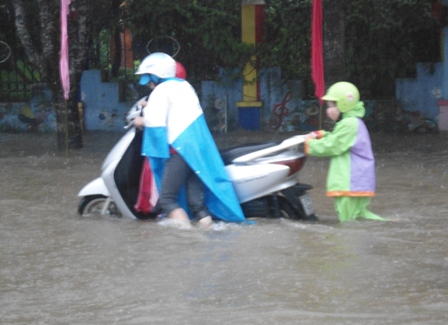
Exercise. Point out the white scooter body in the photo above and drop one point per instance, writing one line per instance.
(257, 172)
(105, 185)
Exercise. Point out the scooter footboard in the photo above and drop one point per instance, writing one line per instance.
(301, 200)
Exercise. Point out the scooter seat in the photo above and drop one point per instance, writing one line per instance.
(228, 155)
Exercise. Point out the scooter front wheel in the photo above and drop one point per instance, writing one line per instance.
(96, 205)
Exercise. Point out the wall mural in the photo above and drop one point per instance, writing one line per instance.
(414, 109)
(305, 117)
(283, 109)
(36, 116)
(108, 117)
(389, 116)
(215, 112)
(279, 112)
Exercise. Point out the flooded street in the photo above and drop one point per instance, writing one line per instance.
(60, 268)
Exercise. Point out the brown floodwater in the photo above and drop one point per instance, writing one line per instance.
(60, 268)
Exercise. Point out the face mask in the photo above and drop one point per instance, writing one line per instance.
(333, 113)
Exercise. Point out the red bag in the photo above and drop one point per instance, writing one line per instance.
(148, 194)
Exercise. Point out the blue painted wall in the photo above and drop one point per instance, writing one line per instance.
(282, 110)
(37, 115)
(421, 94)
(102, 108)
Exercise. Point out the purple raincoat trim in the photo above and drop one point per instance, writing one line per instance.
(362, 176)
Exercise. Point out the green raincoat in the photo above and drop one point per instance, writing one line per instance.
(352, 166)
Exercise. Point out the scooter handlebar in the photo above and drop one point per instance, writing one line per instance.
(126, 127)
(134, 111)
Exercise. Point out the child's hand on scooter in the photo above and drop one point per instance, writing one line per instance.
(311, 135)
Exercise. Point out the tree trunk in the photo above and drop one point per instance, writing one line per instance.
(116, 34)
(334, 41)
(117, 50)
(44, 55)
(69, 130)
(79, 39)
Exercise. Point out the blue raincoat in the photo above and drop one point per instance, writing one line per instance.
(173, 117)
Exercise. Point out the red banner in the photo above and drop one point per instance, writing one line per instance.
(317, 60)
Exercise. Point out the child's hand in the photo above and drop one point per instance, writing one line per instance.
(311, 135)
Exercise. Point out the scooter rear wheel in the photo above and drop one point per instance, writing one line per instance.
(92, 205)
(287, 210)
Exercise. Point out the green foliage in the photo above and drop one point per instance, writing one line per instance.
(208, 31)
(385, 39)
(287, 38)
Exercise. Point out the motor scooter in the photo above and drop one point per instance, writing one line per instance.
(265, 177)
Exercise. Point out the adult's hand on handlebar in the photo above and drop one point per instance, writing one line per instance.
(139, 122)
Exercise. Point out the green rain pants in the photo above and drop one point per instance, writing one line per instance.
(350, 207)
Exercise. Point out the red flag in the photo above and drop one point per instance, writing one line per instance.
(317, 60)
(63, 61)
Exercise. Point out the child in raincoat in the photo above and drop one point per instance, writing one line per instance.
(351, 174)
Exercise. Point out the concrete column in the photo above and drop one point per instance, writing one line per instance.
(249, 108)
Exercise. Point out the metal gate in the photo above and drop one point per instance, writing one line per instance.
(111, 54)
(17, 76)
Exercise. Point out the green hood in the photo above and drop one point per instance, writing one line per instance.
(357, 111)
